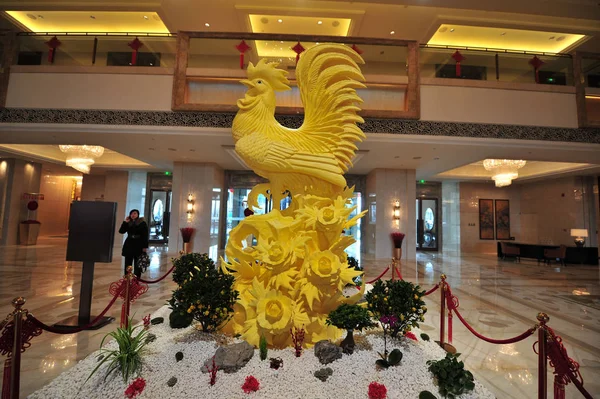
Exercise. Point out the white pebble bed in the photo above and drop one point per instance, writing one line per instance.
(351, 374)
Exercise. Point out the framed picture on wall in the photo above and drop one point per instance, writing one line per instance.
(502, 220)
(486, 219)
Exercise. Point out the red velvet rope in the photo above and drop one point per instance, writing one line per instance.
(398, 272)
(73, 330)
(431, 291)
(380, 276)
(159, 280)
(518, 338)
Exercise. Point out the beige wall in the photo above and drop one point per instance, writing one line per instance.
(540, 213)
(54, 210)
(90, 91)
(507, 107)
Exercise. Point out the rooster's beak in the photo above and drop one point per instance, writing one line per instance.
(247, 83)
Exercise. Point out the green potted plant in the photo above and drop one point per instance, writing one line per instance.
(30, 228)
(451, 377)
(350, 318)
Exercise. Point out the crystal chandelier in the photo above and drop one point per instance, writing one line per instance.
(81, 157)
(503, 170)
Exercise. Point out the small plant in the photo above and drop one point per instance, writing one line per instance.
(135, 388)
(127, 358)
(350, 318)
(424, 337)
(452, 378)
(213, 372)
(276, 363)
(377, 391)
(297, 339)
(427, 395)
(204, 291)
(395, 356)
(251, 384)
(398, 298)
(353, 262)
(262, 347)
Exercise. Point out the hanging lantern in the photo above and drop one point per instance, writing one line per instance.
(536, 63)
(298, 49)
(458, 57)
(356, 49)
(135, 45)
(52, 44)
(242, 48)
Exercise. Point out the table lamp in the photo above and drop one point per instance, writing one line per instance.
(580, 235)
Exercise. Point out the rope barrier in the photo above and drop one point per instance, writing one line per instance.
(380, 276)
(73, 330)
(431, 291)
(159, 280)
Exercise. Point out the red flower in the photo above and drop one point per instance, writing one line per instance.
(410, 335)
(136, 388)
(377, 391)
(251, 384)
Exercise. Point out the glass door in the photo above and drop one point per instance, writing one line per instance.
(427, 224)
(160, 212)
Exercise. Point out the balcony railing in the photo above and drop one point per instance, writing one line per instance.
(206, 66)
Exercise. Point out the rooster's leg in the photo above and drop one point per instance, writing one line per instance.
(259, 189)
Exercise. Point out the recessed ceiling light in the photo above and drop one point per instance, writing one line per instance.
(452, 30)
(397, 156)
(320, 22)
(92, 17)
(40, 16)
(264, 20)
(280, 20)
(335, 24)
(503, 34)
(32, 16)
(416, 157)
(171, 149)
(551, 37)
(560, 38)
(207, 25)
(392, 32)
(145, 17)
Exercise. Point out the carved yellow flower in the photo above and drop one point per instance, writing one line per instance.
(274, 312)
(325, 267)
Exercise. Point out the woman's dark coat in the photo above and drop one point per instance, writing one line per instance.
(137, 237)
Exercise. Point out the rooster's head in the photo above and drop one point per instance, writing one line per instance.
(263, 81)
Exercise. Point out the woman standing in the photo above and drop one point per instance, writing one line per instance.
(136, 242)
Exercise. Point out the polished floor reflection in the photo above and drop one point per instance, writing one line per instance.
(500, 299)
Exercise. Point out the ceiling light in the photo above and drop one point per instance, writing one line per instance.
(320, 22)
(145, 17)
(32, 16)
(92, 17)
(280, 20)
(40, 16)
(207, 25)
(392, 32)
(503, 34)
(335, 24)
(264, 20)
(81, 157)
(452, 30)
(551, 37)
(504, 171)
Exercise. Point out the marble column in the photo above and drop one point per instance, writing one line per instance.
(451, 218)
(384, 187)
(16, 178)
(205, 183)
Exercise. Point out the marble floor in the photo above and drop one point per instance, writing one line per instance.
(500, 299)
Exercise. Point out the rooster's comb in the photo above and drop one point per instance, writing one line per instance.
(268, 71)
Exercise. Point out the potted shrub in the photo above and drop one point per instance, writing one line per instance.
(350, 318)
(30, 228)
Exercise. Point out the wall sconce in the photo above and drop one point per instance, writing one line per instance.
(396, 213)
(190, 205)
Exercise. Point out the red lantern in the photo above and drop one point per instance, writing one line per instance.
(298, 49)
(242, 48)
(135, 45)
(536, 63)
(53, 44)
(355, 48)
(458, 57)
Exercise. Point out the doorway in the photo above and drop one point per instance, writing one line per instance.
(427, 224)
(160, 215)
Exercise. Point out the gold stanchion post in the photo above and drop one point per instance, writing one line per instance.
(125, 320)
(543, 318)
(442, 310)
(15, 372)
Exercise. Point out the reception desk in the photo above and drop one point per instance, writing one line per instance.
(575, 255)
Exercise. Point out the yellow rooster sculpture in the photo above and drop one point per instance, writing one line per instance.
(314, 157)
(295, 274)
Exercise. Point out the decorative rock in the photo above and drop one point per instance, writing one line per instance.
(179, 356)
(327, 352)
(172, 381)
(324, 374)
(231, 358)
(157, 320)
(150, 338)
